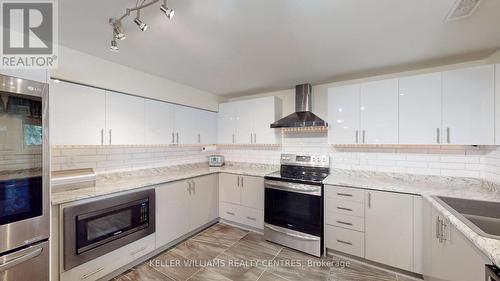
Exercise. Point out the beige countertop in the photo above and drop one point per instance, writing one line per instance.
(427, 187)
(122, 181)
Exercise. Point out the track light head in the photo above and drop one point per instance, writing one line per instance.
(168, 12)
(142, 26)
(114, 46)
(118, 32)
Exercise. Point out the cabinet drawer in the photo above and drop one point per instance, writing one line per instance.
(345, 207)
(345, 193)
(251, 217)
(345, 221)
(345, 240)
(229, 211)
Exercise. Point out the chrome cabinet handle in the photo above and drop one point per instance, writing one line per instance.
(250, 218)
(102, 136)
(233, 138)
(438, 137)
(344, 194)
(345, 209)
(344, 242)
(437, 227)
(199, 138)
(173, 137)
(92, 273)
(369, 200)
(357, 137)
(238, 180)
(448, 135)
(189, 187)
(177, 137)
(343, 222)
(254, 137)
(242, 182)
(17, 260)
(230, 213)
(110, 134)
(364, 136)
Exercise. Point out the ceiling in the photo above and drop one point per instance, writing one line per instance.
(238, 47)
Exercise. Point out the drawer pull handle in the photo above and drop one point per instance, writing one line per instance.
(343, 222)
(250, 218)
(344, 194)
(92, 273)
(230, 213)
(344, 242)
(345, 209)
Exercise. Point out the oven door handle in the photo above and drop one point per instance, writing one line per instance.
(294, 187)
(17, 260)
(303, 237)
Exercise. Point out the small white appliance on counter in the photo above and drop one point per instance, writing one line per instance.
(216, 161)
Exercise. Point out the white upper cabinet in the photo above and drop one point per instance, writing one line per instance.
(379, 112)
(207, 127)
(124, 119)
(343, 114)
(420, 109)
(194, 126)
(77, 114)
(497, 104)
(159, 122)
(248, 121)
(468, 106)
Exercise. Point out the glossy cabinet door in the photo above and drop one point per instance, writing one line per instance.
(266, 111)
(468, 106)
(252, 192)
(185, 125)
(203, 200)
(389, 229)
(77, 114)
(379, 112)
(207, 127)
(420, 109)
(343, 115)
(124, 119)
(245, 112)
(229, 188)
(226, 123)
(159, 122)
(172, 211)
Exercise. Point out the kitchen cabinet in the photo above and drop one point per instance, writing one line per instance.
(186, 124)
(39, 75)
(159, 122)
(468, 106)
(248, 121)
(207, 127)
(420, 109)
(124, 119)
(343, 114)
(241, 199)
(77, 114)
(389, 229)
(497, 104)
(183, 206)
(379, 112)
(448, 247)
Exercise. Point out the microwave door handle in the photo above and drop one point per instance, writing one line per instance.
(15, 261)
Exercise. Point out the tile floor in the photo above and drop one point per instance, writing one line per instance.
(226, 253)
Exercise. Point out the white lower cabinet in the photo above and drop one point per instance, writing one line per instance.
(183, 206)
(449, 256)
(241, 199)
(375, 225)
(104, 265)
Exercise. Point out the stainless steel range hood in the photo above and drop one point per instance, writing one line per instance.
(302, 117)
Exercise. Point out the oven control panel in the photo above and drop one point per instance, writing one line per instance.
(305, 160)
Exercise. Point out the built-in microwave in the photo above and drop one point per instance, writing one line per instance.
(95, 228)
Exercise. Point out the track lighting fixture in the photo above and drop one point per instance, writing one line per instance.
(116, 23)
(168, 12)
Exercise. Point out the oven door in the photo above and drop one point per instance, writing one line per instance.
(294, 206)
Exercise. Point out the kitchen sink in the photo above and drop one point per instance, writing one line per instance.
(481, 216)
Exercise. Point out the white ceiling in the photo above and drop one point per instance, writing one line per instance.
(236, 47)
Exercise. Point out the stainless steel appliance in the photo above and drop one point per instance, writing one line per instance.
(492, 273)
(215, 160)
(24, 181)
(293, 205)
(302, 117)
(98, 227)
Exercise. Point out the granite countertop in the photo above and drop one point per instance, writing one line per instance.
(427, 187)
(122, 181)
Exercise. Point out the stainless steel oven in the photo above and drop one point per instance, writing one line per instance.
(24, 179)
(98, 227)
(293, 204)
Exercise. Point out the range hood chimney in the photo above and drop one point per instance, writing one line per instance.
(302, 117)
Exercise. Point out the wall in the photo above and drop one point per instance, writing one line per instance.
(83, 68)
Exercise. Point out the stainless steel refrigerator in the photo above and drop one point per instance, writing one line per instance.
(24, 180)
